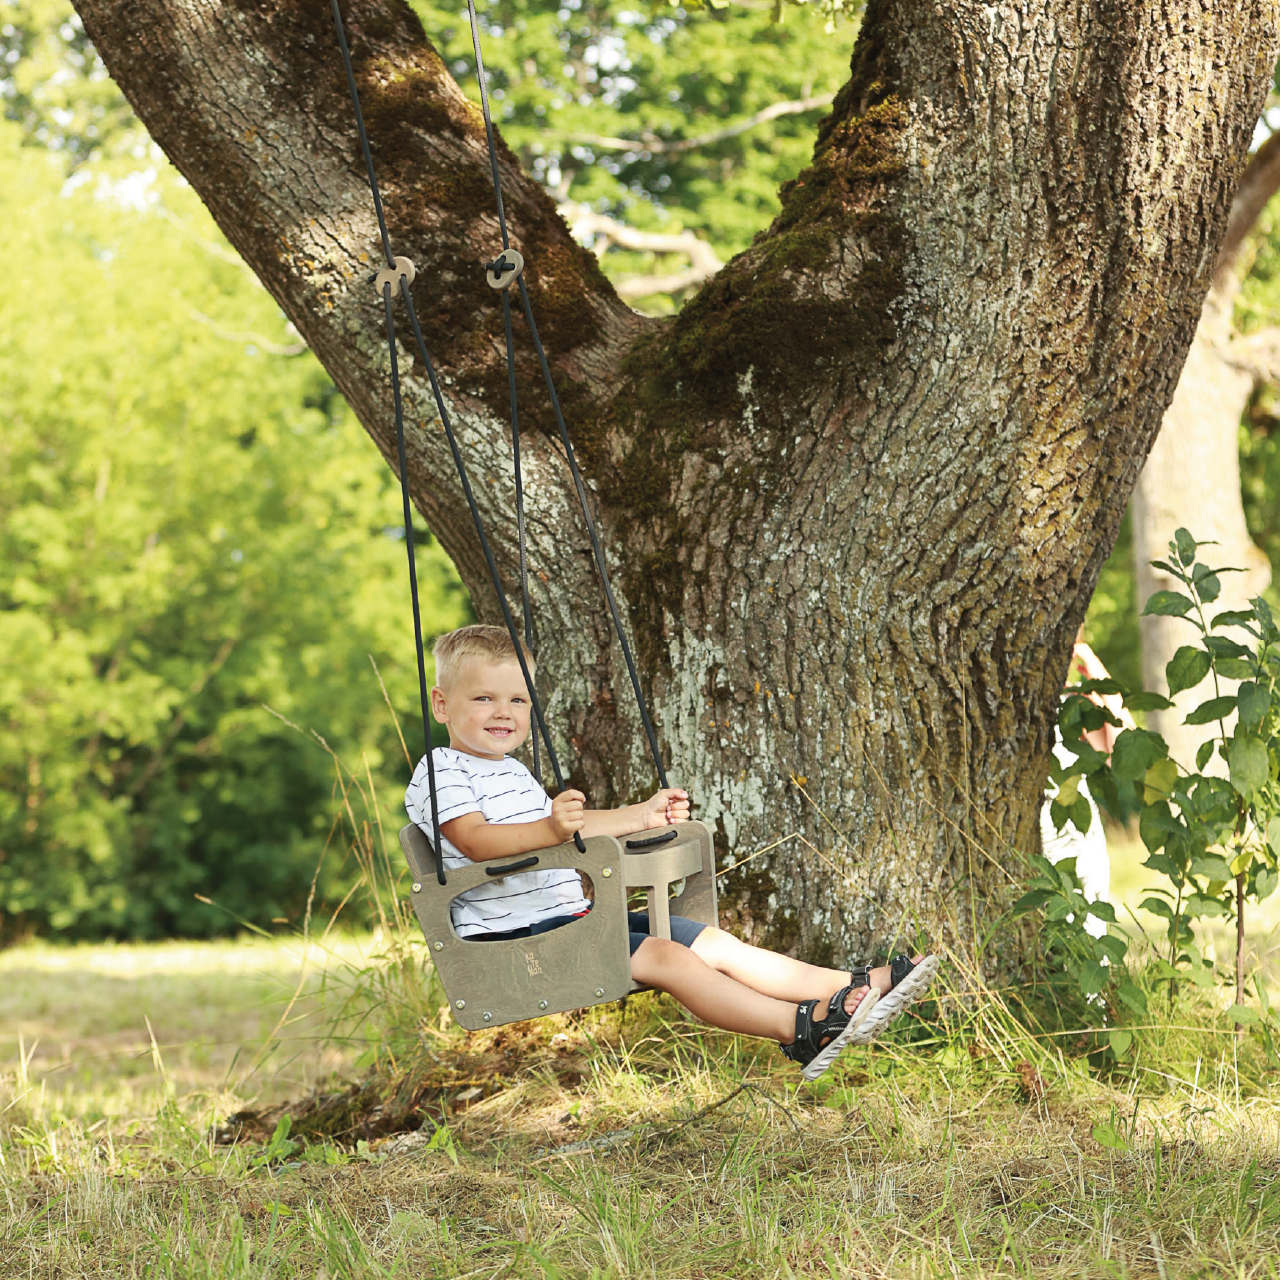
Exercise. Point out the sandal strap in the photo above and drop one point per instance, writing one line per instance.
(799, 1050)
(899, 967)
(814, 1034)
(860, 975)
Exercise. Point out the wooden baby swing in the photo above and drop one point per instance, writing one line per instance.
(585, 962)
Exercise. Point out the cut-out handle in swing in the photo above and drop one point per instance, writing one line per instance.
(531, 861)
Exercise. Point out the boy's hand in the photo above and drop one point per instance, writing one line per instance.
(568, 814)
(666, 806)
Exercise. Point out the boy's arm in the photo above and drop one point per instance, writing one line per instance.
(483, 841)
(663, 807)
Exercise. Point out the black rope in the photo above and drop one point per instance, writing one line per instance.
(596, 548)
(521, 540)
(487, 549)
(423, 697)
(462, 475)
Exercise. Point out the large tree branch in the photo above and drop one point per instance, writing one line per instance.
(655, 145)
(1259, 182)
(704, 262)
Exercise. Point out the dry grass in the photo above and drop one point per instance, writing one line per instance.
(620, 1143)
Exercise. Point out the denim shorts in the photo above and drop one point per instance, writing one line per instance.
(682, 931)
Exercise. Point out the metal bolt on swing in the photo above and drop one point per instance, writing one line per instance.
(504, 270)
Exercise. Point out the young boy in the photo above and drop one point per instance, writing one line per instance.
(490, 806)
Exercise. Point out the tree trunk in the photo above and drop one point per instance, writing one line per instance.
(1192, 475)
(859, 491)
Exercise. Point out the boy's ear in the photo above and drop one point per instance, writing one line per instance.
(438, 705)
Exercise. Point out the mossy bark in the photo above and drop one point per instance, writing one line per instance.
(859, 491)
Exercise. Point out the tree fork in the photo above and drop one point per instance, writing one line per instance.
(860, 489)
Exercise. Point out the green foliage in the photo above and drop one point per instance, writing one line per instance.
(53, 84)
(1087, 974)
(1215, 839)
(569, 80)
(194, 531)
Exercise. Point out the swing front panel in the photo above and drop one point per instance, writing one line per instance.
(582, 963)
(491, 983)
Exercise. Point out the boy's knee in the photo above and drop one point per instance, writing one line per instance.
(713, 943)
(655, 956)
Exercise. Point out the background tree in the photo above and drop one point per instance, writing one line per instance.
(861, 487)
(1192, 475)
(169, 568)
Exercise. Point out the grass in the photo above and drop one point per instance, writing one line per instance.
(621, 1142)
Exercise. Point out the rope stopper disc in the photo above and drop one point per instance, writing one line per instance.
(504, 270)
(391, 275)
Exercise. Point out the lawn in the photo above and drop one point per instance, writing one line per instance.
(621, 1142)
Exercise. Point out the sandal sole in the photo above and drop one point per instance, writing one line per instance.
(830, 1052)
(895, 1002)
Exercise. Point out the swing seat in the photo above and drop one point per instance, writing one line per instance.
(582, 963)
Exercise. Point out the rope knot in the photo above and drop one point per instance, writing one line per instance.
(504, 270)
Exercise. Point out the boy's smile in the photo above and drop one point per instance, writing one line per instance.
(486, 708)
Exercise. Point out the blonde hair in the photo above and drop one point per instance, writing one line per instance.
(493, 644)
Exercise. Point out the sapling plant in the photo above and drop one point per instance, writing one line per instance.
(1211, 827)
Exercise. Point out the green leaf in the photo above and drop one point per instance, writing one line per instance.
(1156, 824)
(1183, 546)
(1161, 862)
(1273, 835)
(1201, 907)
(1106, 685)
(1068, 791)
(1108, 1136)
(1169, 604)
(1233, 618)
(1147, 702)
(1242, 1014)
(1264, 882)
(1211, 865)
(1031, 901)
(1093, 977)
(1111, 948)
(1214, 709)
(1132, 997)
(1157, 907)
(1102, 910)
(1221, 647)
(1120, 1041)
(1203, 752)
(1248, 762)
(1255, 702)
(1136, 750)
(1159, 780)
(1207, 584)
(1187, 668)
(1233, 668)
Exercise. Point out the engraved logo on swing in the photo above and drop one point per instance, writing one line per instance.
(531, 963)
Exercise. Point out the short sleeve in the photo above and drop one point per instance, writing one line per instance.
(455, 793)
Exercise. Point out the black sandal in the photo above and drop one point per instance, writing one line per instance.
(819, 1040)
(907, 982)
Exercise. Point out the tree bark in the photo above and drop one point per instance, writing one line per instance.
(1192, 475)
(859, 491)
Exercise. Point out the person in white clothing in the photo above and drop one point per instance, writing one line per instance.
(1088, 848)
(490, 806)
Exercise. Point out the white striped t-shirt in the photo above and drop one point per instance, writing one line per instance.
(500, 791)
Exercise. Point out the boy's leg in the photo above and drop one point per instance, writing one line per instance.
(776, 975)
(719, 998)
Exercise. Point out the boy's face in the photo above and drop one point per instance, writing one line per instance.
(486, 707)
